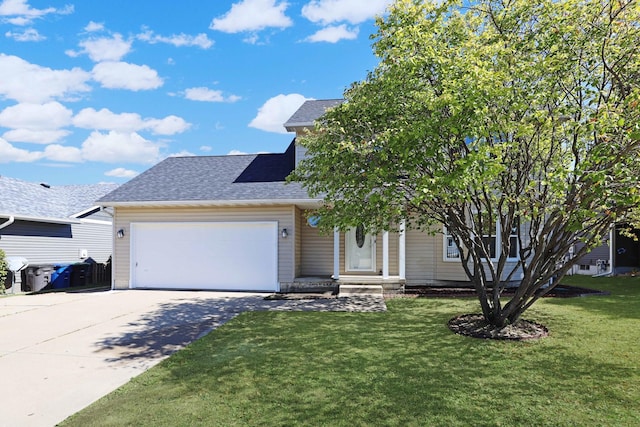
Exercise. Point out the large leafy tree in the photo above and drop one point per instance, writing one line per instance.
(490, 119)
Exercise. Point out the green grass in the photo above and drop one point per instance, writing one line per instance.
(400, 368)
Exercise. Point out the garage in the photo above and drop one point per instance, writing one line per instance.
(235, 256)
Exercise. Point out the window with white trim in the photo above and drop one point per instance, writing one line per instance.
(491, 242)
(450, 249)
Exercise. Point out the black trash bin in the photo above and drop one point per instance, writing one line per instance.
(80, 273)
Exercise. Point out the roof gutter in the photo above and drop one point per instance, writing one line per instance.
(37, 219)
(155, 203)
(7, 223)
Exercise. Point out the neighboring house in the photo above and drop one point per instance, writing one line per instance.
(232, 223)
(620, 258)
(48, 225)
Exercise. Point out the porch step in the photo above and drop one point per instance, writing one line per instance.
(360, 290)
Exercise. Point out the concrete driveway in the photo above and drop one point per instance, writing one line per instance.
(59, 352)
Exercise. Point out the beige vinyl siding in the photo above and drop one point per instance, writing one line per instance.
(39, 249)
(420, 255)
(450, 269)
(124, 216)
(316, 258)
(297, 232)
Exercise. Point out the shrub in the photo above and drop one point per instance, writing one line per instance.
(3, 271)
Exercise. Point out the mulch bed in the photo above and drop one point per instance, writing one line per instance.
(474, 325)
(560, 291)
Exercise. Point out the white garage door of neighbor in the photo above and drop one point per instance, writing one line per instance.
(205, 255)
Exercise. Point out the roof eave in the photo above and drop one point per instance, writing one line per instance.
(292, 127)
(41, 219)
(311, 203)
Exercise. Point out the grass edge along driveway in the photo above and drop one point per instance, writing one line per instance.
(399, 368)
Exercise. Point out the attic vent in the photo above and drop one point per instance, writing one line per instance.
(45, 185)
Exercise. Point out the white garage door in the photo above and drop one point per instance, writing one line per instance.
(205, 255)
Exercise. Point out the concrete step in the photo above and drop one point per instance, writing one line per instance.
(360, 290)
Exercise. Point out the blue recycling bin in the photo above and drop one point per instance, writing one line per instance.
(61, 276)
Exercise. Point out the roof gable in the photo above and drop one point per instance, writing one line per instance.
(309, 112)
(32, 200)
(213, 179)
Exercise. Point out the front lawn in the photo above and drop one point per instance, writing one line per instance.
(399, 368)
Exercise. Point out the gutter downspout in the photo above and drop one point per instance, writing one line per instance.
(113, 245)
(7, 223)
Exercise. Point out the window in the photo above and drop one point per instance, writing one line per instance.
(491, 241)
(451, 251)
(513, 240)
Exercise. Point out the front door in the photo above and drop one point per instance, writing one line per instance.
(360, 250)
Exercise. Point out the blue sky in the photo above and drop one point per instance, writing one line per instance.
(99, 91)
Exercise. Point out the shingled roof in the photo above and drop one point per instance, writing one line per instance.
(41, 201)
(309, 112)
(213, 179)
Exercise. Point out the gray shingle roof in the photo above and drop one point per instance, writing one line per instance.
(28, 199)
(213, 179)
(309, 112)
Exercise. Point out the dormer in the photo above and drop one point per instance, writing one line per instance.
(304, 118)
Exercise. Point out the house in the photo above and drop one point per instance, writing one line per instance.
(233, 223)
(46, 225)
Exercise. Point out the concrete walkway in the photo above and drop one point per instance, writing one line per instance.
(59, 352)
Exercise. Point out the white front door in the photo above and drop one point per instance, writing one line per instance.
(360, 250)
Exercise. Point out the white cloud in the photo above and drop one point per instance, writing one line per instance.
(104, 48)
(28, 35)
(25, 82)
(61, 153)
(9, 153)
(170, 125)
(236, 153)
(334, 34)
(251, 39)
(353, 11)
(116, 147)
(105, 119)
(122, 75)
(121, 173)
(276, 111)
(208, 95)
(201, 40)
(93, 27)
(252, 15)
(203, 94)
(49, 116)
(35, 136)
(183, 153)
(18, 12)
(36, 123)
(206, 148)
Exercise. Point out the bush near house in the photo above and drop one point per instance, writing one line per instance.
(3, 271)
